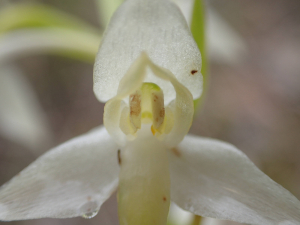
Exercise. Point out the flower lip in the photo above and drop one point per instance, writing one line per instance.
(179, 113)
(157, 28)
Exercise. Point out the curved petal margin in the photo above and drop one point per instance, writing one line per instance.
(158, 28)
(214, 179)
(70, 180)
(183, 105)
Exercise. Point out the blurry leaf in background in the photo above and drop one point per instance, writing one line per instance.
(224, 43)
(21, 118)
(35, 28)
(178, 216)
(106, 8)
(17, 16)
(216, 39)
(72, 43)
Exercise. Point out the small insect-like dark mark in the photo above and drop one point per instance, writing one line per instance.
(155, 96)
(119, 157)
(164, 199)
(176, 152)
(194, 71)
(89, 198)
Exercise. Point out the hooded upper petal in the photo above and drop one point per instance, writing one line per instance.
(158, 28)
(186, 7)
(214, 179)
(70, 180)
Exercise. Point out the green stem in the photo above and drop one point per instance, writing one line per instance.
(197, 220)
(198, 31)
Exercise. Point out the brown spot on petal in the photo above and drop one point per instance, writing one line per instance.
(194, 71)
(164, 199)
(176, 152)
(89, 198)
(162, 112)
(135, 105)
(119, 157)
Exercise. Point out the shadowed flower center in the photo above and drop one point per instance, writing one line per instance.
(146, 105)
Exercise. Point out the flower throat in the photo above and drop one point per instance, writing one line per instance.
(146, 105)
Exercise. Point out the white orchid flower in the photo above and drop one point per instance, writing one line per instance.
(186, 7)
(148, 69)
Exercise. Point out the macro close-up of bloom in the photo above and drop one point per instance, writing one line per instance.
(148, 73)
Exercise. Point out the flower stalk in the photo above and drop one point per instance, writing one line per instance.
(198, 30)
(197, 220)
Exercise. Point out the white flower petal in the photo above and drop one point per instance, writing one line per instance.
(186, 7)
(132, 80)
(182, 107)
(106, 8)
(70, 180)
(214, 179)
(158, 28)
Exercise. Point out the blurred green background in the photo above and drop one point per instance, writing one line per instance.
(252, 98)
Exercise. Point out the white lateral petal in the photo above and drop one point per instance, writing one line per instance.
(156, 27)
(214, 179)
(183, 107)
(131, 81)
(70, 180)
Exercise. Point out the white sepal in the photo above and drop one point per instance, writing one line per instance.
(70, 180)
(214, 179)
